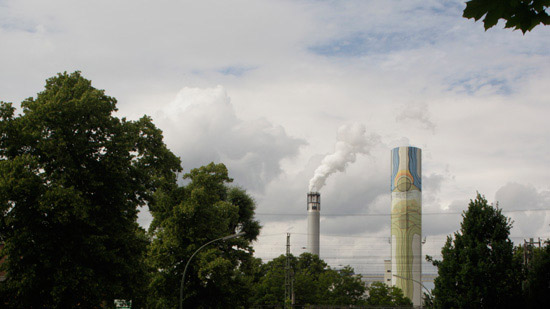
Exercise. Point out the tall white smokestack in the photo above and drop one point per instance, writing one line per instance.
(352, 139)
(313, 218)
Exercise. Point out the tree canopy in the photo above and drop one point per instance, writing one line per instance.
(536, 284)
(185, 218)
(315, 283)
(521, 15)
(380, 294)
(478, 268)
(71, 178)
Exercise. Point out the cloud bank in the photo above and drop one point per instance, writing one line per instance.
(201, 126)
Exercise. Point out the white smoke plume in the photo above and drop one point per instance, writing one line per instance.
(351, 140)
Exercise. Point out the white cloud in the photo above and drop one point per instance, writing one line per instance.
(416, 113)
(523, 204)
(201, 126)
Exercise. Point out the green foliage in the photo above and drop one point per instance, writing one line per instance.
(345, 288)
(71, 179)
(380, 294)
(427, 300)
(315, 283)
(270, 288)
(185, 218)
(536, 286)
(519, 14)
(478, 267)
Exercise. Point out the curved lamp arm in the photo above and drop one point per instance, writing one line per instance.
(425, 288)
(199, 249)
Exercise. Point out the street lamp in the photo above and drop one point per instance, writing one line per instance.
(199, 249)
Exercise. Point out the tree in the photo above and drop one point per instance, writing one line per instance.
(536, 287)
(269, 290)
(344, 287)
(478, 268)
(315, 283)
(427, 300)
(519, 14)
(380, 294)
(71, 178)
(311, 280)
(185, 218)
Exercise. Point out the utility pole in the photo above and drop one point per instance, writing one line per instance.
(289, 277)
(528, 250)
(528, 255)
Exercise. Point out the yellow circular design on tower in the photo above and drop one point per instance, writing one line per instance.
(404, 184)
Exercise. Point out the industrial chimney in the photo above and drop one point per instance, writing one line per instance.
(313, 217)
(406, 221)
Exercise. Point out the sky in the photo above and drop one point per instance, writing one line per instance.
(265, 86)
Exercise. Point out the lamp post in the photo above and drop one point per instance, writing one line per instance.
(199, 249)
(425, 288)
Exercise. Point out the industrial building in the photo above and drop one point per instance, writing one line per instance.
(404, 270)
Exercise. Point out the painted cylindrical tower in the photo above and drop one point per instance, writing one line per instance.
(406, 221)
(313, 218)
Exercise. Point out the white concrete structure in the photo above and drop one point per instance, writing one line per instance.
(313, 221)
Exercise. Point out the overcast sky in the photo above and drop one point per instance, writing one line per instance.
(264, 86)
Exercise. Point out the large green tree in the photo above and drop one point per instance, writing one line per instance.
(185, 218)
(314, 283)
(521, 15)
(72, 176)
(478, 269)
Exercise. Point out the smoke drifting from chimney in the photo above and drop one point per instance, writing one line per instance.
(351, 140)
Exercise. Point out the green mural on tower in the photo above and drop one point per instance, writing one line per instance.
(406, 221)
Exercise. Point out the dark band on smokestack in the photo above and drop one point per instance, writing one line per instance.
(313, 224)
(313, 201)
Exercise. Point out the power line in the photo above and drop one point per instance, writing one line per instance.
(389, 214)
(428, 237)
